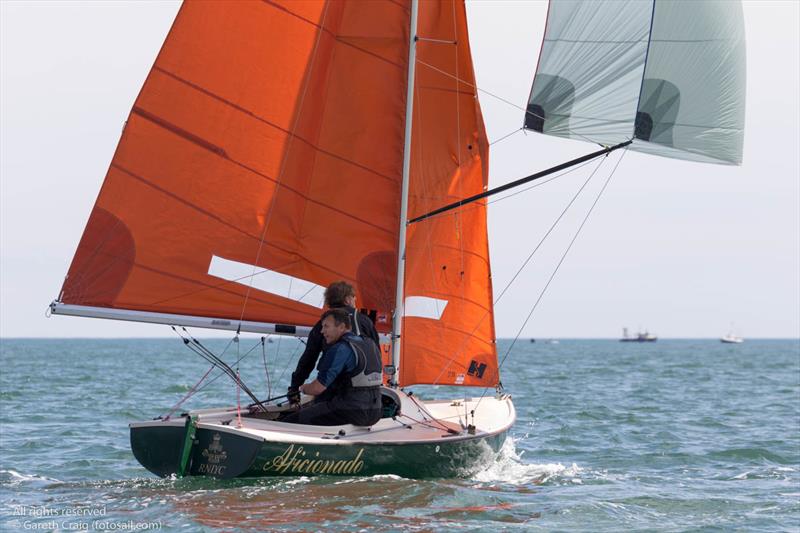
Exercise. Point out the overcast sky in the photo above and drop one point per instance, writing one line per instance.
(682, 249)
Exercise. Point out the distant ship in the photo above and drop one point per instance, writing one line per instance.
(640, 337)
(730, 338)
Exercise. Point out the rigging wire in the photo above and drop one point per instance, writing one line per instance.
(555, 270)
(506, 136)
(266, 370)
(207, 384)
(423, 412)
(197, 347)
(524, 264)
(188, 395)
(421, 423)
(504, 100)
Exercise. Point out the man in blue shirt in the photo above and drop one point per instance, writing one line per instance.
(349, 378)
(339, 294)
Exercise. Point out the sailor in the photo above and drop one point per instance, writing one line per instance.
(338, 295)
(349, 378)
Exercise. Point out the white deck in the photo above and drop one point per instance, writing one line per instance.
(418, 421)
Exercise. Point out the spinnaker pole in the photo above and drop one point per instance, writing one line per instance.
(521, 181)
(397, 316)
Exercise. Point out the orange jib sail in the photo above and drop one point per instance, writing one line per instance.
(268, 135)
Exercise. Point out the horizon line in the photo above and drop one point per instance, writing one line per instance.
(292, 336)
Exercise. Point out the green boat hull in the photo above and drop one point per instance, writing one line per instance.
(452, 459)
(229, 455)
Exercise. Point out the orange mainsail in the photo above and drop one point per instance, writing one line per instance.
(270, 134)
(250, 142)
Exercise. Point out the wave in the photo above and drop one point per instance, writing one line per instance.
(749, 454)
(12, 477)
(783, 473)
(377, 477)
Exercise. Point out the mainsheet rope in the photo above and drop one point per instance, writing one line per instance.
(266, 369)
(195, 346)
(239, 384)
(194, 389)
(291, 358)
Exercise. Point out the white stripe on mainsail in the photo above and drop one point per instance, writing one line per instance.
(424, 307)
(265, 280)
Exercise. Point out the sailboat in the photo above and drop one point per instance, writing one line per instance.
(276, 147)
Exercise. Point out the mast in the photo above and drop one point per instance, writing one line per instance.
(397, 317)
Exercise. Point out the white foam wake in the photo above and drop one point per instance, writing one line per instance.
(508, 467)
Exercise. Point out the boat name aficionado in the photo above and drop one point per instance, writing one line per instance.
(293, 460)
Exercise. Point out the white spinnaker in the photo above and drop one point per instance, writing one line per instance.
(697, 50)
(669, 73)
(590, 69)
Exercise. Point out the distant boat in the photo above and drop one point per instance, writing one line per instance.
(533, 340)
(730, 338)
(640, 337)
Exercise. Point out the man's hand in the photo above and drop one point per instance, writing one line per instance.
(315, 388)
(293, 395)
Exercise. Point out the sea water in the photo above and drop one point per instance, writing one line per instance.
(675, 435)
